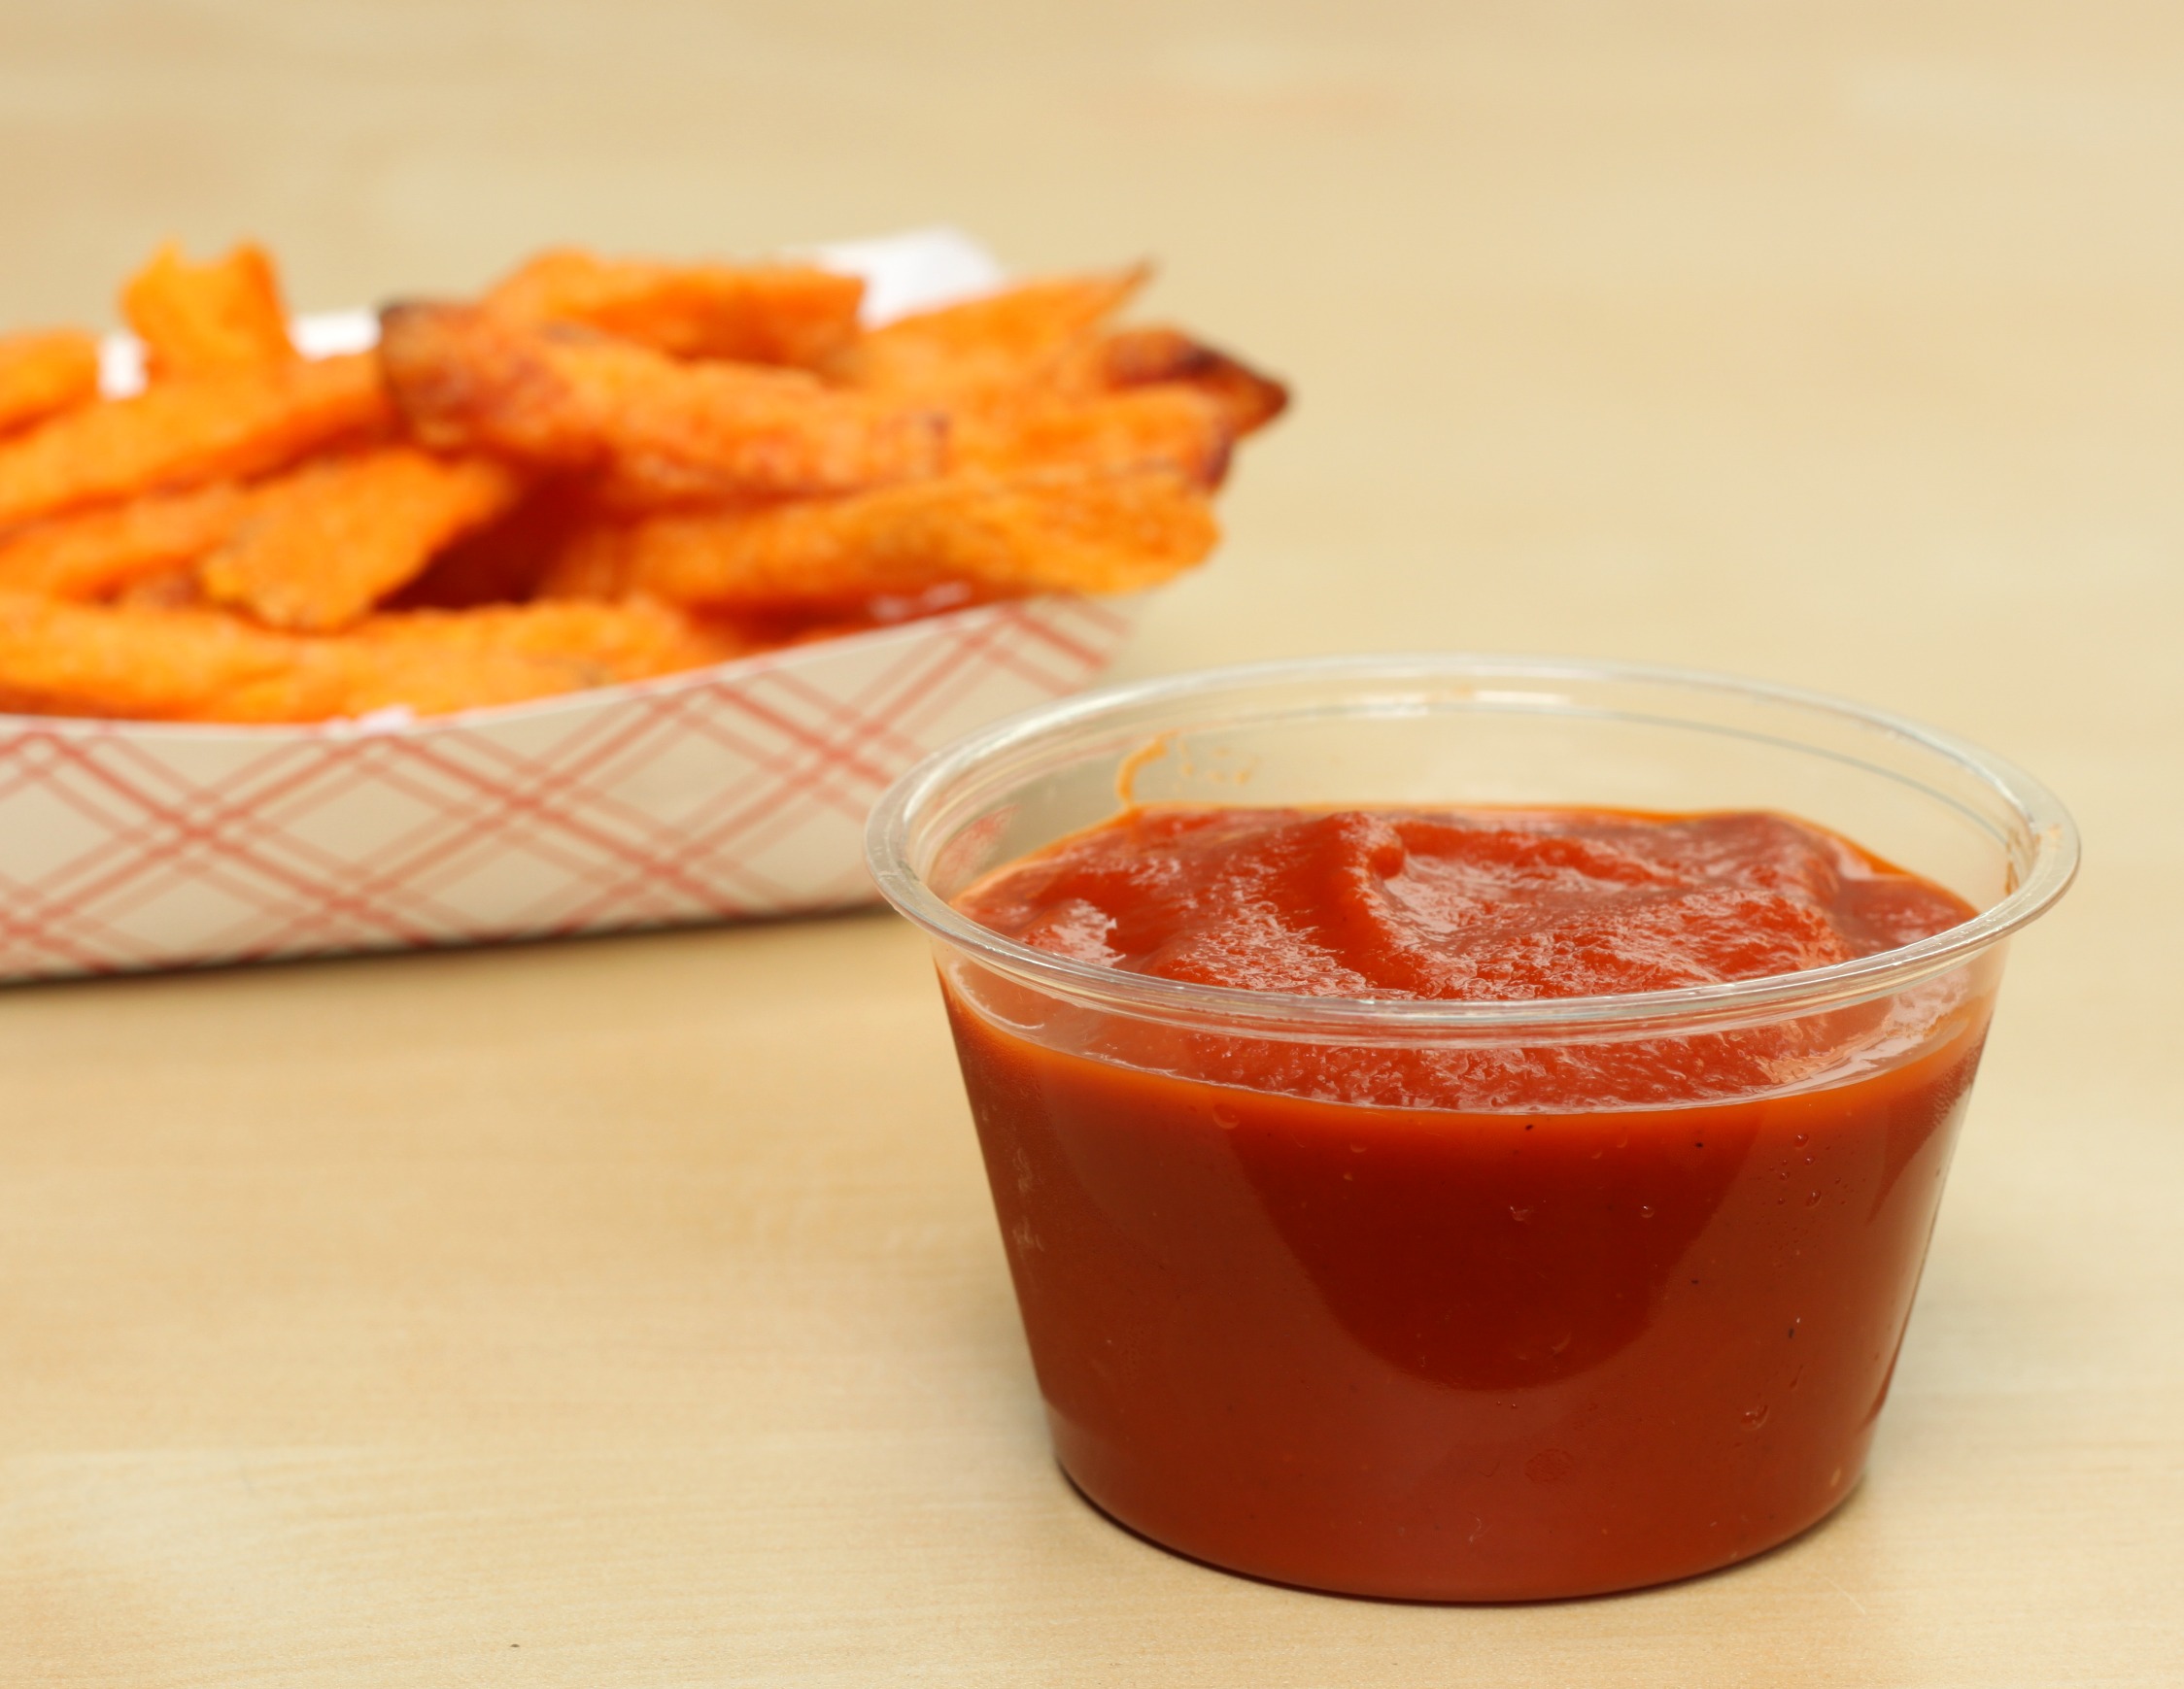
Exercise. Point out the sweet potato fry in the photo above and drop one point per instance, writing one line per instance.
(97, 553)
(465, 379)
(1003, 340)
(632, 640)
(43, 374)
(317, 547)
(1179, 426)
(1144, 358)
(435, 661)
(330, 678)
(784, 314)
(219, 427)
(197, 317)
(149, 664)
(1073, 531)
(81, 659)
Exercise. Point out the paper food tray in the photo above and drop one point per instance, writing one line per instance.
(738, 790)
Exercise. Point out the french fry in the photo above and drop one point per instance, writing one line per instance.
(319, 547)
(224, 426)
(632, 640)
(98, 552)
(1003, 340)
(468, 380)
(1144, 358)
(328, 679)
(1068, 531)
(80, 660)
(1179, 426)
(784, 314)
(198, 318)
(431, 662)
(43, 374)
(149, 664)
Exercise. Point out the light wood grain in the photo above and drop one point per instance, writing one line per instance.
(629, 1312)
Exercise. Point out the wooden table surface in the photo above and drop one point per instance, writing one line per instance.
(631, 1312)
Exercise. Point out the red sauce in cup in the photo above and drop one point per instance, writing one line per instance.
(1475, 1323)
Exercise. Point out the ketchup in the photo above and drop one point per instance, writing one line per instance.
(1467, 1322)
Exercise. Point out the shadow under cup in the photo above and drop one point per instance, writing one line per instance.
(1552, 1342)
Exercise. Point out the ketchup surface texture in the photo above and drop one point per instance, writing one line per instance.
(1481, 1323)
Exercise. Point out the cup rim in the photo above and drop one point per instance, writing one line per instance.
(2054, 864)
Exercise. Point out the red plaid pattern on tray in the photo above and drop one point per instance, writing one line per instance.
(737, 790)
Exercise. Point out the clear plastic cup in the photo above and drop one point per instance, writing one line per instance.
(1289, 1325)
